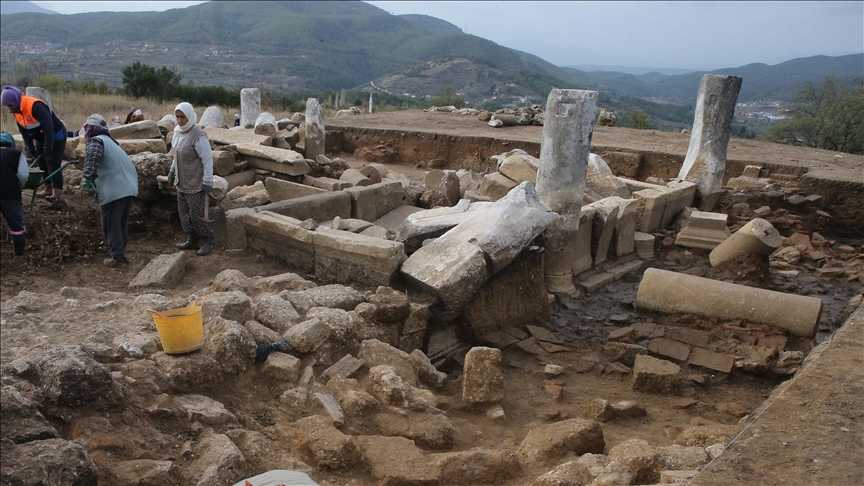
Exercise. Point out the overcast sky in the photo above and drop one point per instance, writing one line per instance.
(685, 35)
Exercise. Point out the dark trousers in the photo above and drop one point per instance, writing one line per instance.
(13, 213)
(56, 161)
(191, 209)
(115, 225)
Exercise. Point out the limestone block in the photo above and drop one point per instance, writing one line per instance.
(282, 237)
(596, 281)
(748, 182)
(374, 352)
(644, 244)
(603, 228)
(345, 257)
(273, 159)
(519, 167)
(138, 146)
(682, 458)
(679, 195)
(146, 129)
(431, 223)
(276, 313)
(232, 305)
(307, 336)
(483, 380)
(583, 260)
(163, 272)
(496, 185)
(396, 460)
(212, 117)
(625, 227)
(21, 420)
(476, 466)
(167, 123)
(265, 124)
(396, 217)
(705, 163)
(326, 183)
(48, 461)
(280, 190)
(355, 178)
(704, 230)
(220, 136)
(235, 231)
(344, 368)
(374, 201)
(318, 442)
(244, 178)
(454, 266)
(599, 179)
(250, 106)
(320, 207)
(640, 457)
(652, 375)
(547, 444)
(223, 163)
(650, 204)
(444, 181)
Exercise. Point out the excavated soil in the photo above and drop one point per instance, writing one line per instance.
(66, 248)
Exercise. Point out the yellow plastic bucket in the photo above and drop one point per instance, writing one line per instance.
(181, 330)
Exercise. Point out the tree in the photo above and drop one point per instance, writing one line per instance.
(143, 81)
(828, 115)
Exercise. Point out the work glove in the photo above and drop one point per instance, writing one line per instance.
(171, 178)
(207, 188)
(88, 187)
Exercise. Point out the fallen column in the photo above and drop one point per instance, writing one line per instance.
(674, 293)
(705, 163)
(758, 237)
(561, 176)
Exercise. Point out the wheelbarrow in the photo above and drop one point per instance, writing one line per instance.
(37, 179)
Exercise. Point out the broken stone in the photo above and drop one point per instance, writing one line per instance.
(374, 352)
(644, 244)
(50, 461)
(163, 272)
(21, 421)
(568, 473)
(548, 443)
(282, 367)
(322, 445)
(712, 360)
(652, 375)
(599, 178)
(483, 380)
(276, 313)
(622, 352)
(681, 458)
(430, 431)
(233, 306)
(307, 336)
(217, 461)
(396, 460)
(757, 237)
(477, 466)
(705, 163)
(344, 368)
(704, 230)
(640, 458)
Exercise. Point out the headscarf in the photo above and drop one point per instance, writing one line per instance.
(11, 96)
(6, 139)
(96, 126)
(187, 110)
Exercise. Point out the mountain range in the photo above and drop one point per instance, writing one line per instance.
(295, 45)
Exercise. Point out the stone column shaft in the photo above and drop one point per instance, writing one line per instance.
(705, 163)
(565, 145)
(314, 141)
(250, 106)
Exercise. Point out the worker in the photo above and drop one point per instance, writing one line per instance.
(13, 177)
(37, 123)
(109, 174)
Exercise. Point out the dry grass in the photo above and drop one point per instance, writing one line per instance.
(74, 109)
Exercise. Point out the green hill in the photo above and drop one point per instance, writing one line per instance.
(320, 46)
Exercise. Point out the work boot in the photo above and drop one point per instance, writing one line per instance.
(46, 190)
(19, 248)
(206, 248)
(189, 244)
(116, 262)
(56, 195)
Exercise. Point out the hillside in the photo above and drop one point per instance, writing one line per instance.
(327, 46)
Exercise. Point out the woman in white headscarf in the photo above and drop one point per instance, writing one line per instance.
(192, 175)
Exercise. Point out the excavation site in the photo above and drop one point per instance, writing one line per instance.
(446, 298)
